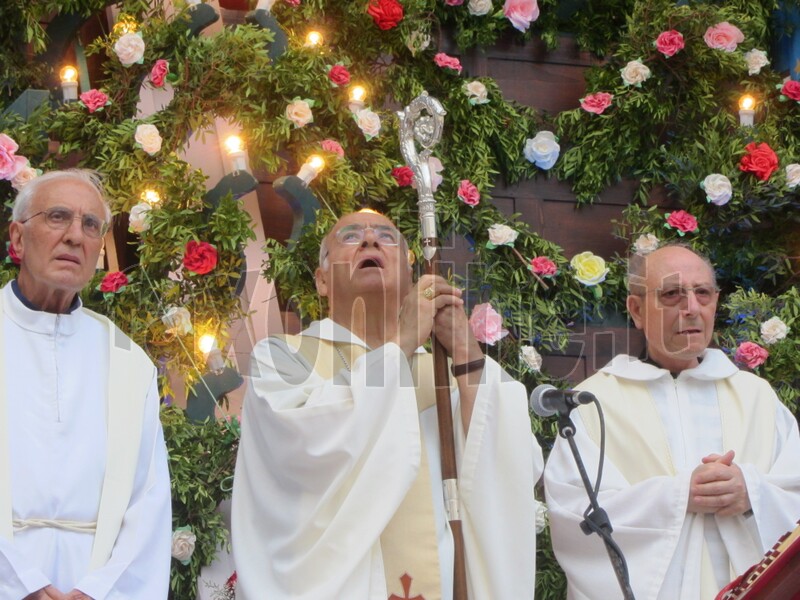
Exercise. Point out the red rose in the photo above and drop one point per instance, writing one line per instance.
(12, 254)
(404, 176)
(94, 100)
(113, 282)
(682, 221)
(669, 42)
(339, 75)
(386, 13)
(751, 355)
(200, 257)
(159, 72)
(541, 265)
(760, 160)
(791, 89)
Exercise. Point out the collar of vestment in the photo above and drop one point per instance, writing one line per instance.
(714, 365)
(331, 331)
(20, 310)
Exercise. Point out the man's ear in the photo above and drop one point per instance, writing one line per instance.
(15, 236)
(635, 305)
(321, 282)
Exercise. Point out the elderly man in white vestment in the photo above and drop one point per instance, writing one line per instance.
(84, 484)
(338, 490)
(701, 469)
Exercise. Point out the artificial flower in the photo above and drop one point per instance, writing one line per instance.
(298, 111)
(148, 137)
(590, 269)
(26, 174)
(139, 221)
(760, 160)
(94, 100)
(751, 355)
(368, 122)
(635, 73)
(487, 324)
(10, 163)
(756, 60)
(448, 62)
(199, 257)
(682, 221)
(597, 103)
(541, 265)
(718, 189)
(332, 146)
(501, 235)
(404, 176)
(159, 72)
(385, 13)
(773, 330)
(129, 48)
(339, 75)
(723, 36)
(531, 357)
(542, 149)
(478, 8)
(113, 282)
(521, 13)
(183, 541)
(792, 175)
(790, 89)
(669, 42)
(417, 42)
(468, 193)
(645, 244)
(476, 92)
(178, 320)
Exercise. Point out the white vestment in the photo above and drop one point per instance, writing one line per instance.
(56, 388)
(324, 463)
(657, 431)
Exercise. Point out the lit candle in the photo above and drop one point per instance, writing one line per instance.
(69, 83)
(313, 39)
(746, 110)
(152, 197)
(235, 147)
(311, 168)
(357, 95)
(208, 346)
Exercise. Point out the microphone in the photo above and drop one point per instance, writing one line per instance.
(547, 400)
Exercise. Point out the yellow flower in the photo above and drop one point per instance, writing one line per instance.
(589, 268)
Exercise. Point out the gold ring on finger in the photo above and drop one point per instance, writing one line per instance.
(429, 293)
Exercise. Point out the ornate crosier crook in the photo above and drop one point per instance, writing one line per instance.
(421, 122)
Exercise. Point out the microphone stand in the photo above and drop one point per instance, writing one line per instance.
(596, 520)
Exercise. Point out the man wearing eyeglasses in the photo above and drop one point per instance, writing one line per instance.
(701, 474)
(338, 489)
(84, 484)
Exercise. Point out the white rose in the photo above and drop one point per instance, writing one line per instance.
(773, 330)
(299, 113)
(756, 60)
(792, 175)
(531, 357)
(476, 92)
(478, 8)
(24, 176)
(500, 235)
(718, 189)
(178, 320)
(541, 516)
(183, 541)
(138, 219)
(542, 150)
(148, 137)
(645, 244)
(129, 49)
(417, 42)
(369, 123)
(635, 73)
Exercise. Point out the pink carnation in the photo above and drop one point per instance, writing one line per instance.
(159, 72)
(670, 42)
(332, 146)
(541, 265)
(682, 221)
(521, 13)
(751, 355)
(487, 324)
(10, 163)
(448, 62)
(468, 193)
(94, 100)
(791, 89)
(597, 103)
(723, 36)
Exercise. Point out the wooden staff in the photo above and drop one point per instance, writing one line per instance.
(421, 122)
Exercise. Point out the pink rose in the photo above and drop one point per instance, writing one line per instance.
(159, 72)
(113, 282)
(751, 355)
(404, 176)
(94, 100)
(791, 89)
(10, 163)
(339, 75)
(723, 36)
(468, 193)
(597, 103)
(521, 13)
(487, 324)
(332, 146)
(670, 42)
(682, 221)
(448, 62)
(541, 265)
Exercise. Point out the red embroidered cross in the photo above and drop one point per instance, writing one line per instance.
(406, 581)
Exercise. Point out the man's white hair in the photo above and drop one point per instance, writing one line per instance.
(28, 192)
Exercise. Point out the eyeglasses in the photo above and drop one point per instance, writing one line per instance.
(672, 296)
(354, 234)
(59, 217)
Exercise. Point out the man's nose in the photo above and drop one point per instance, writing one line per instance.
(74, 231)
(692, 305)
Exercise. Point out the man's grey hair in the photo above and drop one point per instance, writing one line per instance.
(28, 192)
(637, 266)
